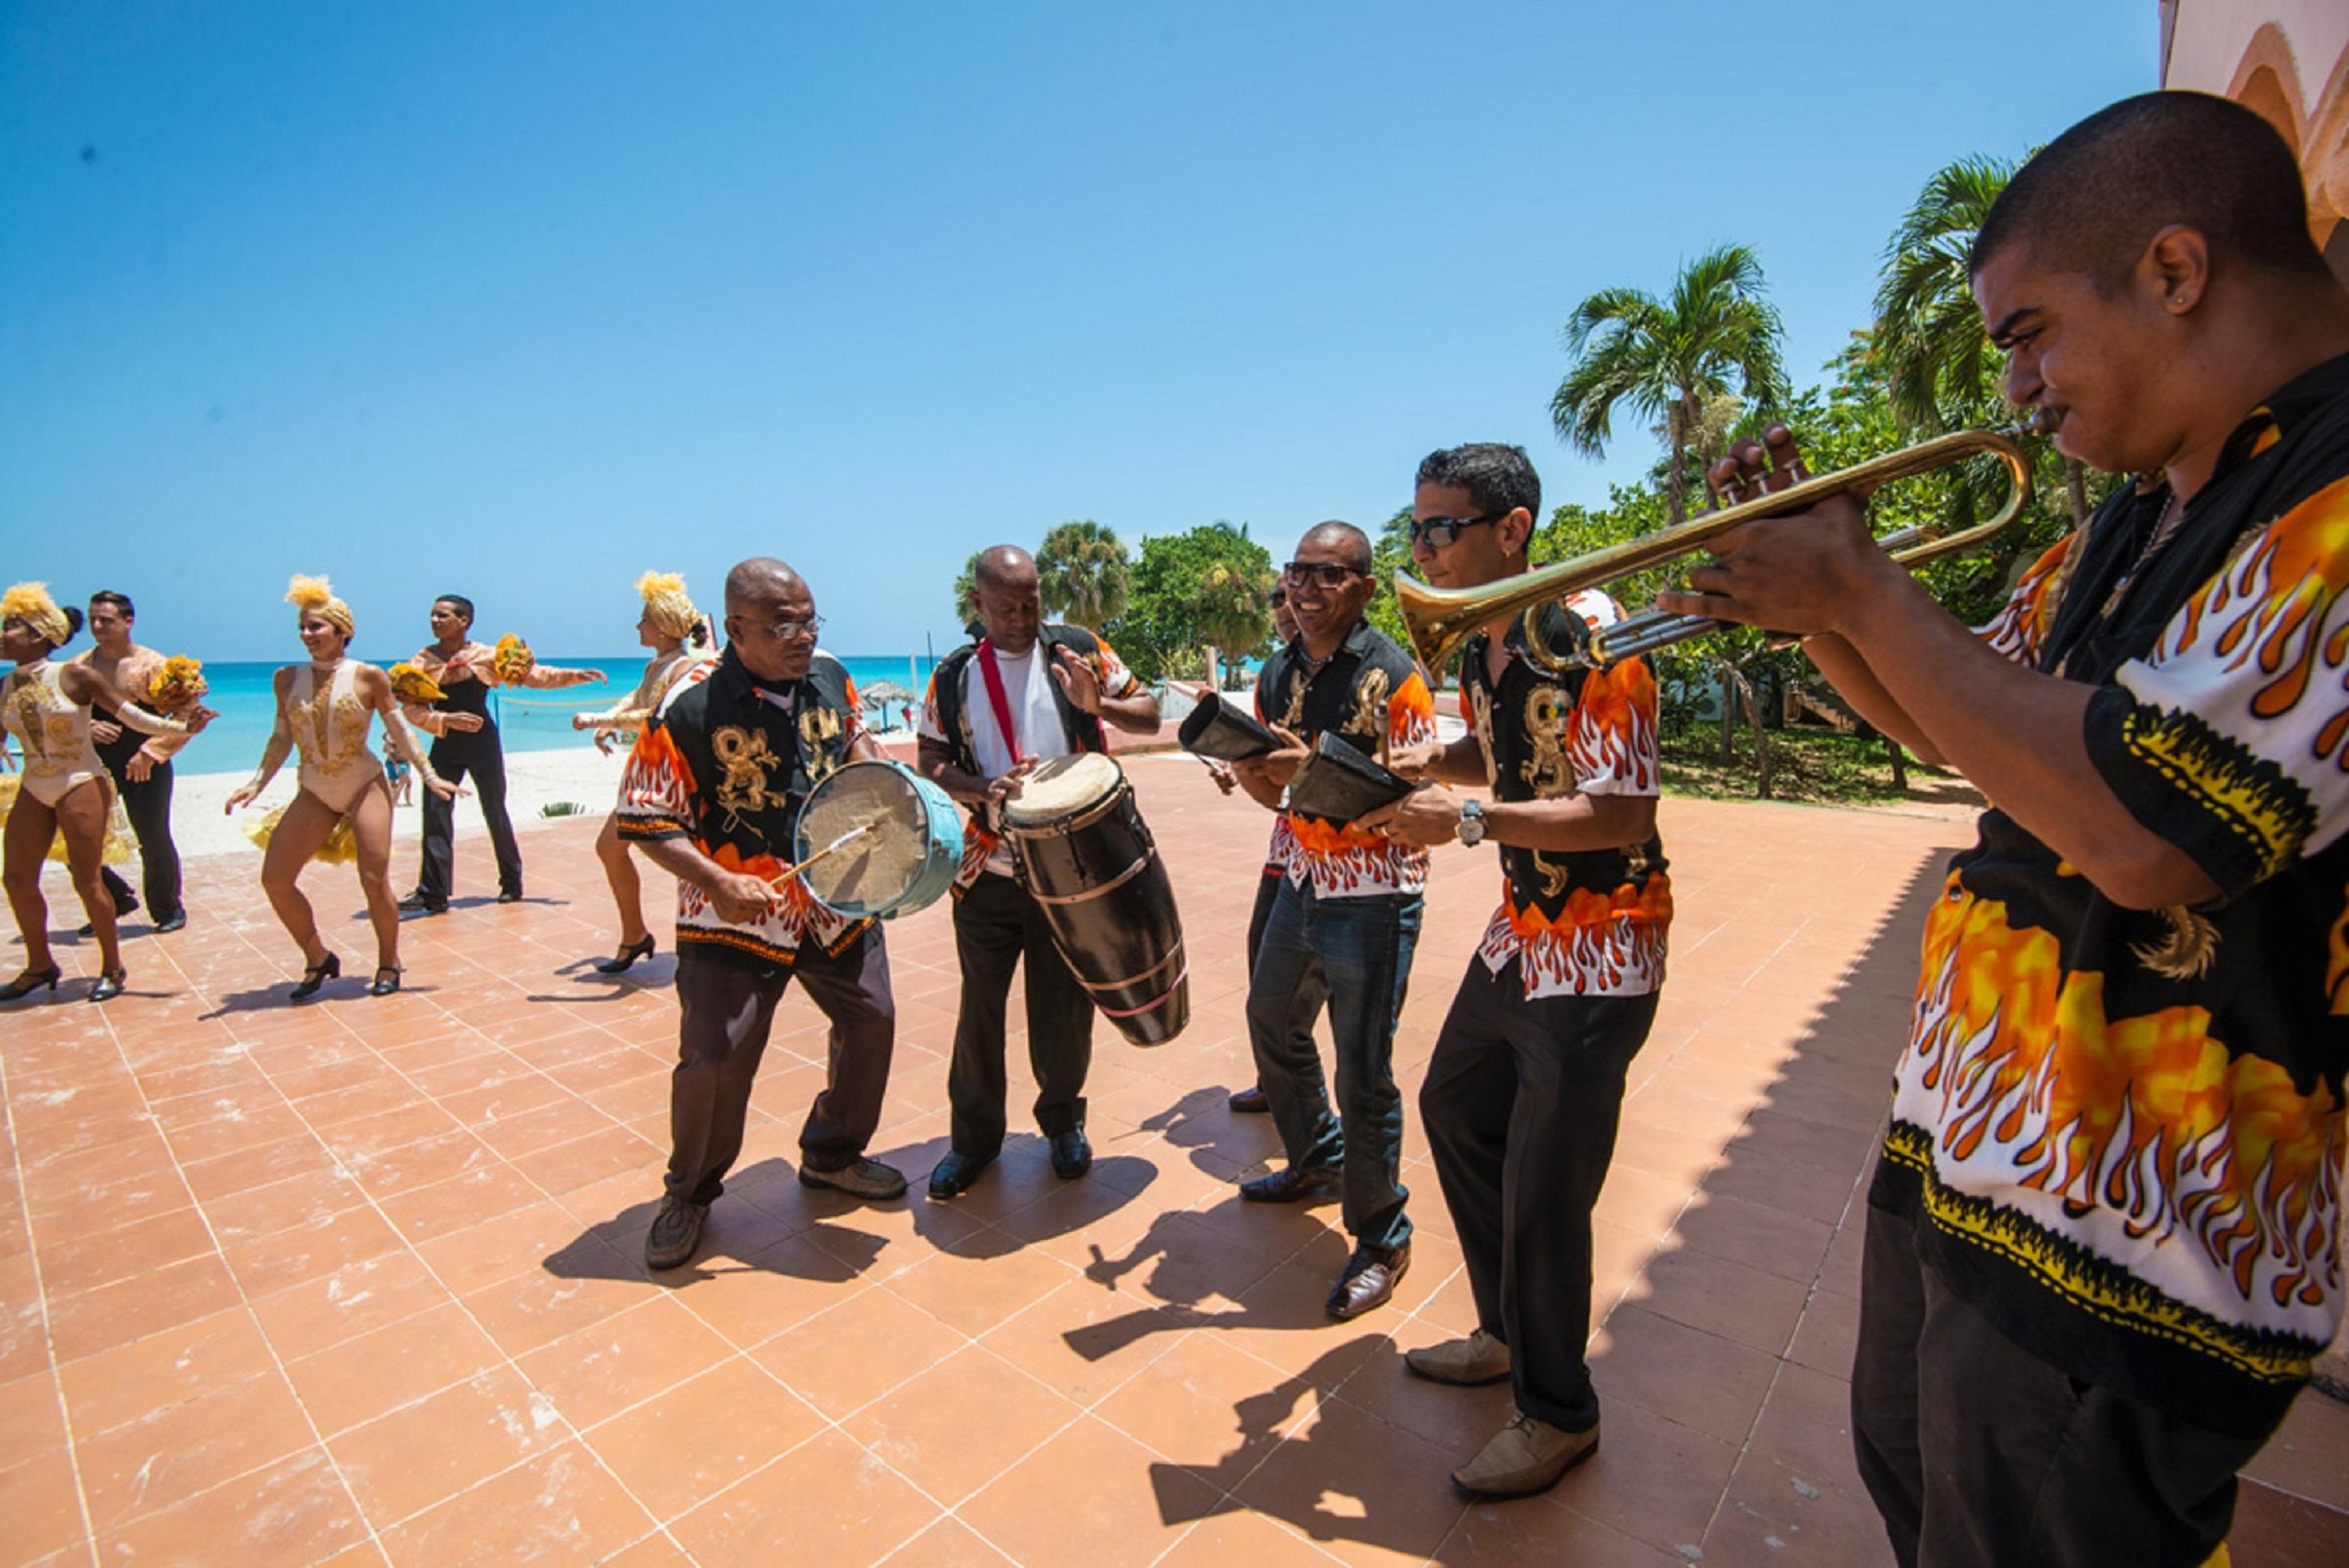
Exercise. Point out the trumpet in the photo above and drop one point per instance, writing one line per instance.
(1441, 619)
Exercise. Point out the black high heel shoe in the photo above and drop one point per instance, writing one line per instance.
(30, 981)
(628, 957)
(381, 987)
(317, 974)
(109, 985)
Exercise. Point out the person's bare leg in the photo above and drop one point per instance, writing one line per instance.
(296, 837)
(23, 845)
(371, 825)
(627, 888)
(82, 816)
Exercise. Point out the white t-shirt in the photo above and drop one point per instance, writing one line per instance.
(1027, 690)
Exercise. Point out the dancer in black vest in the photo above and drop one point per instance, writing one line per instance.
(142, 764)
(466, 744)
(993, 712)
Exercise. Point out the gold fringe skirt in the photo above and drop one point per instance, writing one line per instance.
(341, 848)
(118, 841)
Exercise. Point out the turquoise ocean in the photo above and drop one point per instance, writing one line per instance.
(529, 720)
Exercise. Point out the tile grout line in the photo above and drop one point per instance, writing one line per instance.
(41, 1298)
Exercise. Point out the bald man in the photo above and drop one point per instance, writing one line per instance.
(1021, 693)
(712, 794)
(2102, 1247)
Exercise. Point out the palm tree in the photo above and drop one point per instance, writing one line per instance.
(1232, 611)
(966, 591)
(1937, 365)
(1665, 359)
(1084, 574)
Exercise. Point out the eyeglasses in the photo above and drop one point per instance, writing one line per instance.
(786, 631)
(1280, 597)
(1440, 532)
(1329, 573)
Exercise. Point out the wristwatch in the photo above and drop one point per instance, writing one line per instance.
(1472, 822)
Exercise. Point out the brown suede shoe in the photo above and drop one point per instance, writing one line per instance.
(1477, 1359)
(1371, 1276)
(1525, 1457)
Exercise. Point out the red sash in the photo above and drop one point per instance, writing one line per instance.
(996, 699)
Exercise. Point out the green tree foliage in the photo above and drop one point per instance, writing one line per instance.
(966, 591)
(1208, 587)
(1391, 553)
(1085, 574)
(1666, 359)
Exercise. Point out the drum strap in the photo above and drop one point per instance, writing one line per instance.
(996, 700)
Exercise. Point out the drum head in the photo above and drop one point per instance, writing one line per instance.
(1062, 788)
(875, 871)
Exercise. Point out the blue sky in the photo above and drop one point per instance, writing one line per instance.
(519, 300)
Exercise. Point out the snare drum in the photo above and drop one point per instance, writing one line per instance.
(1085, 855)
(906, 863)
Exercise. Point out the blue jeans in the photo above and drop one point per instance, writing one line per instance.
(1357, 952)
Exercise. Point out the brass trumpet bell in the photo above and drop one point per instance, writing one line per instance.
(1441, 619)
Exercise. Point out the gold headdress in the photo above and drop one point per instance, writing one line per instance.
(673, 614)
(30, 603)
(316, 595)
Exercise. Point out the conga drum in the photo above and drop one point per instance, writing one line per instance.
(905, 855)
(1084, 852)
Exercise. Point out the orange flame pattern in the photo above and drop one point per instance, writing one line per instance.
(1599, 945)
(1346, 861)
(2207, 1175)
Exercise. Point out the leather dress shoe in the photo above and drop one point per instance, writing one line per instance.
(867, 1179)
(955, 1172)
(1371, 1276)
(509, 895)
(176, 921)
(417, 903)
(1251, 1102)
(675, 1232)
(1291, 1184)
(1072, 1155)
(1526, 1456)
(124, 908)
(1477, 1359)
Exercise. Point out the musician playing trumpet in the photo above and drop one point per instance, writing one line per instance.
(1526, 1085)
(2101, 1246)
(712, 794)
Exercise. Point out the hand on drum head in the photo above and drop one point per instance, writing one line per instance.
(740, 898)
(1009, 785)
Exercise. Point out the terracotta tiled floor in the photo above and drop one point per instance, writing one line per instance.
(359, 1282)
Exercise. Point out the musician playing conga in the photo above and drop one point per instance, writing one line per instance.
(1023, 693)
(2102, 1240)
(1345, 920)
(1524, 1088)
(712, 794)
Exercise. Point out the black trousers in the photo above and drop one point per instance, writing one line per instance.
(997, 924)
(1521, 1102)
(455, 758)
(1978, 1452)
(726, 1005)
(148, 804)
(1314, 995)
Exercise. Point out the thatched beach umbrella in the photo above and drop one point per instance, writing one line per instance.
(888, 696)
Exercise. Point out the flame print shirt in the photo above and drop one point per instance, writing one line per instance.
(1371, 695)
(2119, 1133)
(1582, 921)
(727, 762)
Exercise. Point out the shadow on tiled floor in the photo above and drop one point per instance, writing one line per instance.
(360, 1282)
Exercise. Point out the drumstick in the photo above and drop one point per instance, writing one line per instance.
(837, 844)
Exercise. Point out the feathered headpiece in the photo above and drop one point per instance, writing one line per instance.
(316, 595)
(30, 603)
(673, 614)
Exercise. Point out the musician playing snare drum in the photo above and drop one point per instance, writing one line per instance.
(1022, 694)
(712, 794)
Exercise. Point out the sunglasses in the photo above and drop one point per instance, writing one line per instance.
(1280, 598)
(1440, 532)
(1329, 573)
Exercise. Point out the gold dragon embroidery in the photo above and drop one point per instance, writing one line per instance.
(818, 726)
(1369, 718)
(2187, 950)
(747, 760)
(1292, 717)
(1480, 709)
(1546, 770)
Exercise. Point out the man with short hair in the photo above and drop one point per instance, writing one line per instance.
(712, 794)
(466, 742)
(2101, 1251)
(1024, 692)
(1524, 1092)
(141, 765)
(1251, 1100)
(1345, 920)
